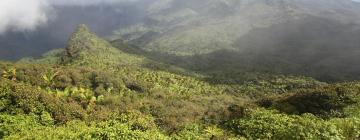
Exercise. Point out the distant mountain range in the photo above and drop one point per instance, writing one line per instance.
(313, 38)
(302, 37)
(187, 27)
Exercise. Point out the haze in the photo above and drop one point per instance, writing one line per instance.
(180, 69)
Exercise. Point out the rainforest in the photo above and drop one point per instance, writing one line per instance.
(180, 69)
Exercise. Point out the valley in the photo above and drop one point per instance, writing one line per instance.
(186, 69)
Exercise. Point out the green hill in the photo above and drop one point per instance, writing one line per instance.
(92, 90)
(298, 37)
(187, 27)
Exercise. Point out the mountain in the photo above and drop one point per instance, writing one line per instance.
(301, 37)
(85, 48)
(93, 90)
(62, 22)
(205, 36)
(191, 69)
(198, 27)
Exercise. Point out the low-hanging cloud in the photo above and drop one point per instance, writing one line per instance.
(22, 15)
(88, 2)
(27, 15)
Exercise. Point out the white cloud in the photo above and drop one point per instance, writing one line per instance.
(27, 15)
(87, 2)
(22, 15)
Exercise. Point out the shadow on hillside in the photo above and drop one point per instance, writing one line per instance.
(321, 48)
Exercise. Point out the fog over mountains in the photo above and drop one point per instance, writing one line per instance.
(180, 69)
(173, 25)
(61, 19)
(287, 36)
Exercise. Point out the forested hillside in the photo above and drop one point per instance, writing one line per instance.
(187, 27)
(94, 89)
(304, 37)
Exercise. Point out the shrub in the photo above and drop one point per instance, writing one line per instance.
(325, 102)
(19, 127)
(19, 98)
(265, 124)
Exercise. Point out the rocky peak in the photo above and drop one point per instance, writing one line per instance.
(82, 39)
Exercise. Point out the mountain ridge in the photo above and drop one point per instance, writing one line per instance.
(102, 91)
(203, 32)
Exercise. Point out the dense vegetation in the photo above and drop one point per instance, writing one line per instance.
(91, 90)
(316, 39)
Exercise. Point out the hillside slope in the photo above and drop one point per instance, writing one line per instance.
(92, 90)
(85, 48)
(299, 37)
(198, 27)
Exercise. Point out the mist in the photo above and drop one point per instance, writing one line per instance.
(176, 26)
(42, 25)
(25, 16)
(20, 15)
(180, 69)
(88, 2)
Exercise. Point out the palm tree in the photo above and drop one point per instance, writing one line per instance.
(9, 74)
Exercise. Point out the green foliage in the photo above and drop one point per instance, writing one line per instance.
(87, 49)
(160, 102)
(29, 127)
(46, 119)
(51, 57)
(95, 91)
(263, 124)
(202, 132)
(190, 132)
(49, 77)
(18, 98)
(324, 101)
(9, 74)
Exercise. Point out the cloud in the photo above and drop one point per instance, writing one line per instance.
(87, 2)
(22, 15)
(27, 15)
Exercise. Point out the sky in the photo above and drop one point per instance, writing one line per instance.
(27, 15)
(20, 15)
(86, 2)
